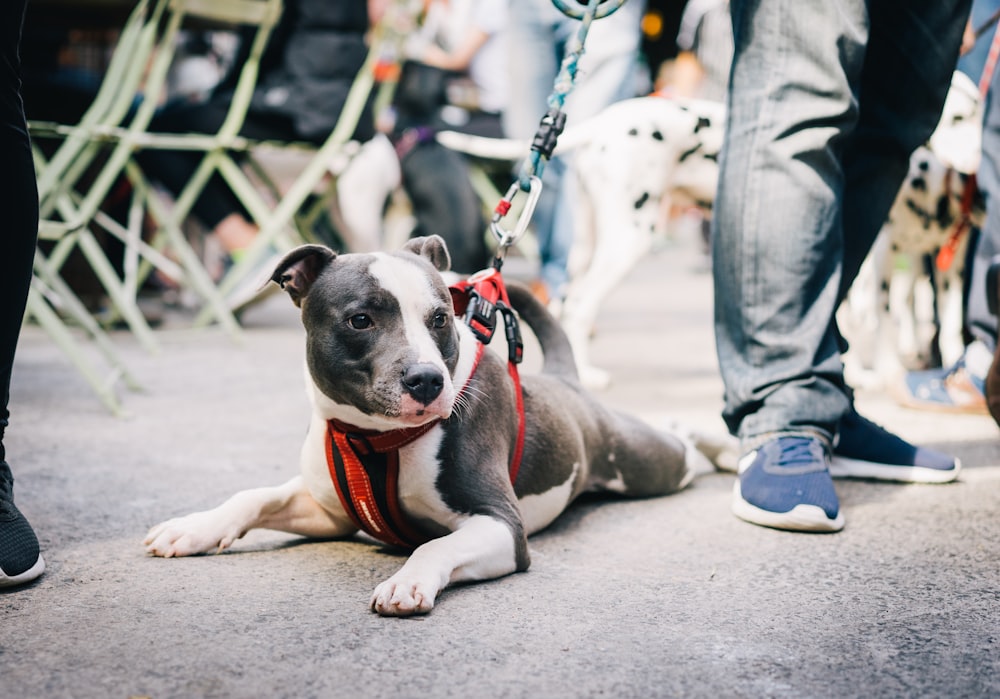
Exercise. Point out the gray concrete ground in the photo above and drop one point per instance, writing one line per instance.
(666, 597)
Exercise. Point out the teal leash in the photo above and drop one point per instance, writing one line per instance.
(554, 120)
(544, 142)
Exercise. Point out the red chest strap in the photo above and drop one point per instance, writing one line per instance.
(364, 466)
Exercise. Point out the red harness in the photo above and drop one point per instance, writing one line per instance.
(364, 464)
(946, 254)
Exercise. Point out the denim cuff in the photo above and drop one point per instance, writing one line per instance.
(748, 444)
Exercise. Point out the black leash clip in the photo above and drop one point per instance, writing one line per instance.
(478, 299)
(512, 331)
(551, 126)
(481, 315)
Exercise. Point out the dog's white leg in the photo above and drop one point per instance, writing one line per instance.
(617, 251)
(482, 548)
(859, 316)
(289, 508)
(894, 320)
(906, 293)
(949, 295)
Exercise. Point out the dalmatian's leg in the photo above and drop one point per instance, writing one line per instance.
(622, 235)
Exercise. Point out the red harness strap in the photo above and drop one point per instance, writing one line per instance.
(364, 464)
(478, 299)
(946, 254)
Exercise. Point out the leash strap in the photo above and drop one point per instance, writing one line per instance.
(946, 254)
(478, 300)
(543, 143)
(991, 60)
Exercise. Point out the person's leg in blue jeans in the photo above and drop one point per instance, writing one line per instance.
(20, 559)
(983, 300)
(537, 36)
(981, 322)
(826, 104)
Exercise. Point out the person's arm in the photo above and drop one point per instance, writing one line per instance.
(376, 8)
(461, 57)
(686, 74)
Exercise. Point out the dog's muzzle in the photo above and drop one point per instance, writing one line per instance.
(424, 382)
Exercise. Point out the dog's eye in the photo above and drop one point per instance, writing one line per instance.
(360, 321)
(439, 320)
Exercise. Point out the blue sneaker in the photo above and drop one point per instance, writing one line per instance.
(865, 450)
(786, 484)
(960, 388)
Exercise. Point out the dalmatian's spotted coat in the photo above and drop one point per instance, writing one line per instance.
(629, 162)
(902, 312)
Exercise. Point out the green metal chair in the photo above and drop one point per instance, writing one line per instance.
(87, 161)
(284, 216)
(64, 226)
(50, 303)
(62, 221)
(219, 150)
(103, 149)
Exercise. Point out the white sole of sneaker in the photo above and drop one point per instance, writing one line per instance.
(842, 467)
(21, 578)
(801, 518)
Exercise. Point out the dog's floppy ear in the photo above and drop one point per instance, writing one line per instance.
(433, 248)
(298, 269)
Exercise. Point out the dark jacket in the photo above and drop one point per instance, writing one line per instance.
(310, 62)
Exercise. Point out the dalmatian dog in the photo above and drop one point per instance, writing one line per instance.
(629, 162)
(898, 314)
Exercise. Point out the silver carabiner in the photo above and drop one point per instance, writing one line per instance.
(505, 238)
(573, 8)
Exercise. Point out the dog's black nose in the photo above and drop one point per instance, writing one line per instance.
(424, 382)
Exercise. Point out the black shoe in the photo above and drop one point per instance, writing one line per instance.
(20, 559)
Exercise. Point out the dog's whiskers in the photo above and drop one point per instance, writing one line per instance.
(463, 402)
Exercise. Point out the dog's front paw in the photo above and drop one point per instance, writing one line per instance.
(400, 596)
(200, 532)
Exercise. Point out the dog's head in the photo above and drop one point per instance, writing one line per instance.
(957, 139)
(381, 339)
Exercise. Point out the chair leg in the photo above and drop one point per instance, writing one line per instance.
(79, 313)
(125, 304)
(122, 295)
(39, 309)
(195, 272)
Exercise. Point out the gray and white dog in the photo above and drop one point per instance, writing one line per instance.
(386, 354)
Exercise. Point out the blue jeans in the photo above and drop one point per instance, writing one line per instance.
(537, 34)
(981, 323)
(827, 102)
